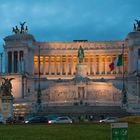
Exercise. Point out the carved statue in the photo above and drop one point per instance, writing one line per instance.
(17, 30)
(6, 87)
(26, 29)
(135, 28)
(81, 54)
(138, 24)
(22, 27)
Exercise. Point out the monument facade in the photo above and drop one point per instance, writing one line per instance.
(72, 72)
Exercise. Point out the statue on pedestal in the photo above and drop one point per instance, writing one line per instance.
(6, 98)
(81, 68)
(22, 27)
(81, 55)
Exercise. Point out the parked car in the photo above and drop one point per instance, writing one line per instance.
(52, 117)
(63, 119)
(10, 120)
(109, 120)
(36, 119)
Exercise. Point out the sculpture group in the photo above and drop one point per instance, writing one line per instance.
(21, 30)
(6, 87)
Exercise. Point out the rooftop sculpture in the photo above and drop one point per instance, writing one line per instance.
(20, 30)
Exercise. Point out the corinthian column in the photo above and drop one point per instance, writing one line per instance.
(72, 64)
(60, 64)
(100, 64)
(89, 65)
(55, 65)
(49, 65)
(106, 64)
(44, 66)
(95, 67)
(12, 61)
(6, 61)
(67, 65)
(18, 62)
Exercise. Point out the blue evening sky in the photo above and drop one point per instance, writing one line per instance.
(66, 20)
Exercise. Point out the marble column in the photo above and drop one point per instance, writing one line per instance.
(12, 61)
(100, 64)
(106, 64)
(18, 61)
(89, 63)
(111, 62)
(44, 66)
(67, 65)
(60, 65)
(55, 65)
(95, 67)
(49, 65)
(6, 60)
(72, 65)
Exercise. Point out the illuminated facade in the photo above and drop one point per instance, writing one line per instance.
(58, 70)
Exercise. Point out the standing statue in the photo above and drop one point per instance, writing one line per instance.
(135, 28)
(22, 27)
(17, 30)
(6, 87)
(81, 55)
(138, 24)
(26, 29)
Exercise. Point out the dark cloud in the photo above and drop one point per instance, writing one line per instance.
(65, 20)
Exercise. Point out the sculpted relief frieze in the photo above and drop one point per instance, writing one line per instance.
(60, 93)
(64, 92)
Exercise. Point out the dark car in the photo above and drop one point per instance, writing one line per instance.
(37, 119)
(10, 120)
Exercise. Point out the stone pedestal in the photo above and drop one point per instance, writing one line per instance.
(81, 70)
(7, 106)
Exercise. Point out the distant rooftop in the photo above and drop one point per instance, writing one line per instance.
(80, 40)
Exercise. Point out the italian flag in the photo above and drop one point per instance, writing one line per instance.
(117, 62)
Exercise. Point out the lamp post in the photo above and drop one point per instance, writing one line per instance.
(124, 92)
(39, 89)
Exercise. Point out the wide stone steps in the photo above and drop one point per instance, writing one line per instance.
(86, 110)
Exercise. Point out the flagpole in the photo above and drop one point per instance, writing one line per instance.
(124, 93)
(39, 89)
(123, 64)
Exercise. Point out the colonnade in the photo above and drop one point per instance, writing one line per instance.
(66, 64)
(14, 61)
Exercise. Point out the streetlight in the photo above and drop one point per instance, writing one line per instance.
(124, 92)
(39, 89)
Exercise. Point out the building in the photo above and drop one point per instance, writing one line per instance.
(59, 82)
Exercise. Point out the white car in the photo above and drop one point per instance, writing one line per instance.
(109, 120)
(63, 119)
